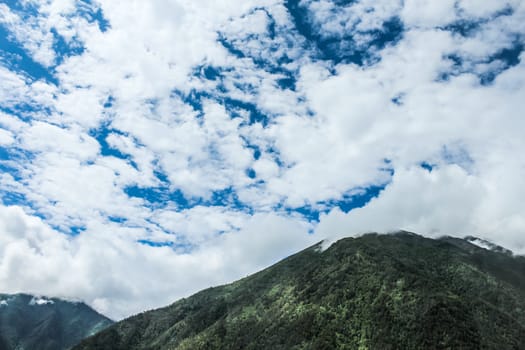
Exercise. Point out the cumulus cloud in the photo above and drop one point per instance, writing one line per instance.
(153, 149)
(447, 200)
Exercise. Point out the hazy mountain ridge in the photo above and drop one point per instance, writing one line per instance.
(30, 322)
(398, 291)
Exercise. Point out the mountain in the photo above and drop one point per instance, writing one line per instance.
(36, 323)
(398, 291)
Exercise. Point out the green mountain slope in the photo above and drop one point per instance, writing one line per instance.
(33, 323)
(397, 291)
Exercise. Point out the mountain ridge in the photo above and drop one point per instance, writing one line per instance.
(30, 322)
(396, 291)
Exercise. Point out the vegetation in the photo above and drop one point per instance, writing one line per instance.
(397, 291)
(29, 323)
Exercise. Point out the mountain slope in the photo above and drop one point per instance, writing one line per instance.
(397, 291)
(35, 323)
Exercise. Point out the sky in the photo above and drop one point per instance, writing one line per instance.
(149, 149)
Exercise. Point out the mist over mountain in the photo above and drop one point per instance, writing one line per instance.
(398, 291)
(38, 323)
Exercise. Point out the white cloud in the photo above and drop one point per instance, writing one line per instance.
(13, 88)
(435, 203)
(486, 8)
(424, 13)
(6, 137)
(48, 138)
(335, 20)
(100, 268)
(38, 42)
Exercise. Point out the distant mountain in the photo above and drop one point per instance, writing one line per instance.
(399, 291)
(36, 323)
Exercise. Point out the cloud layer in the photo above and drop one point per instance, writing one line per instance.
(153, 149)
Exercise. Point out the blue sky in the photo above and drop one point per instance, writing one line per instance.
(153, 149)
